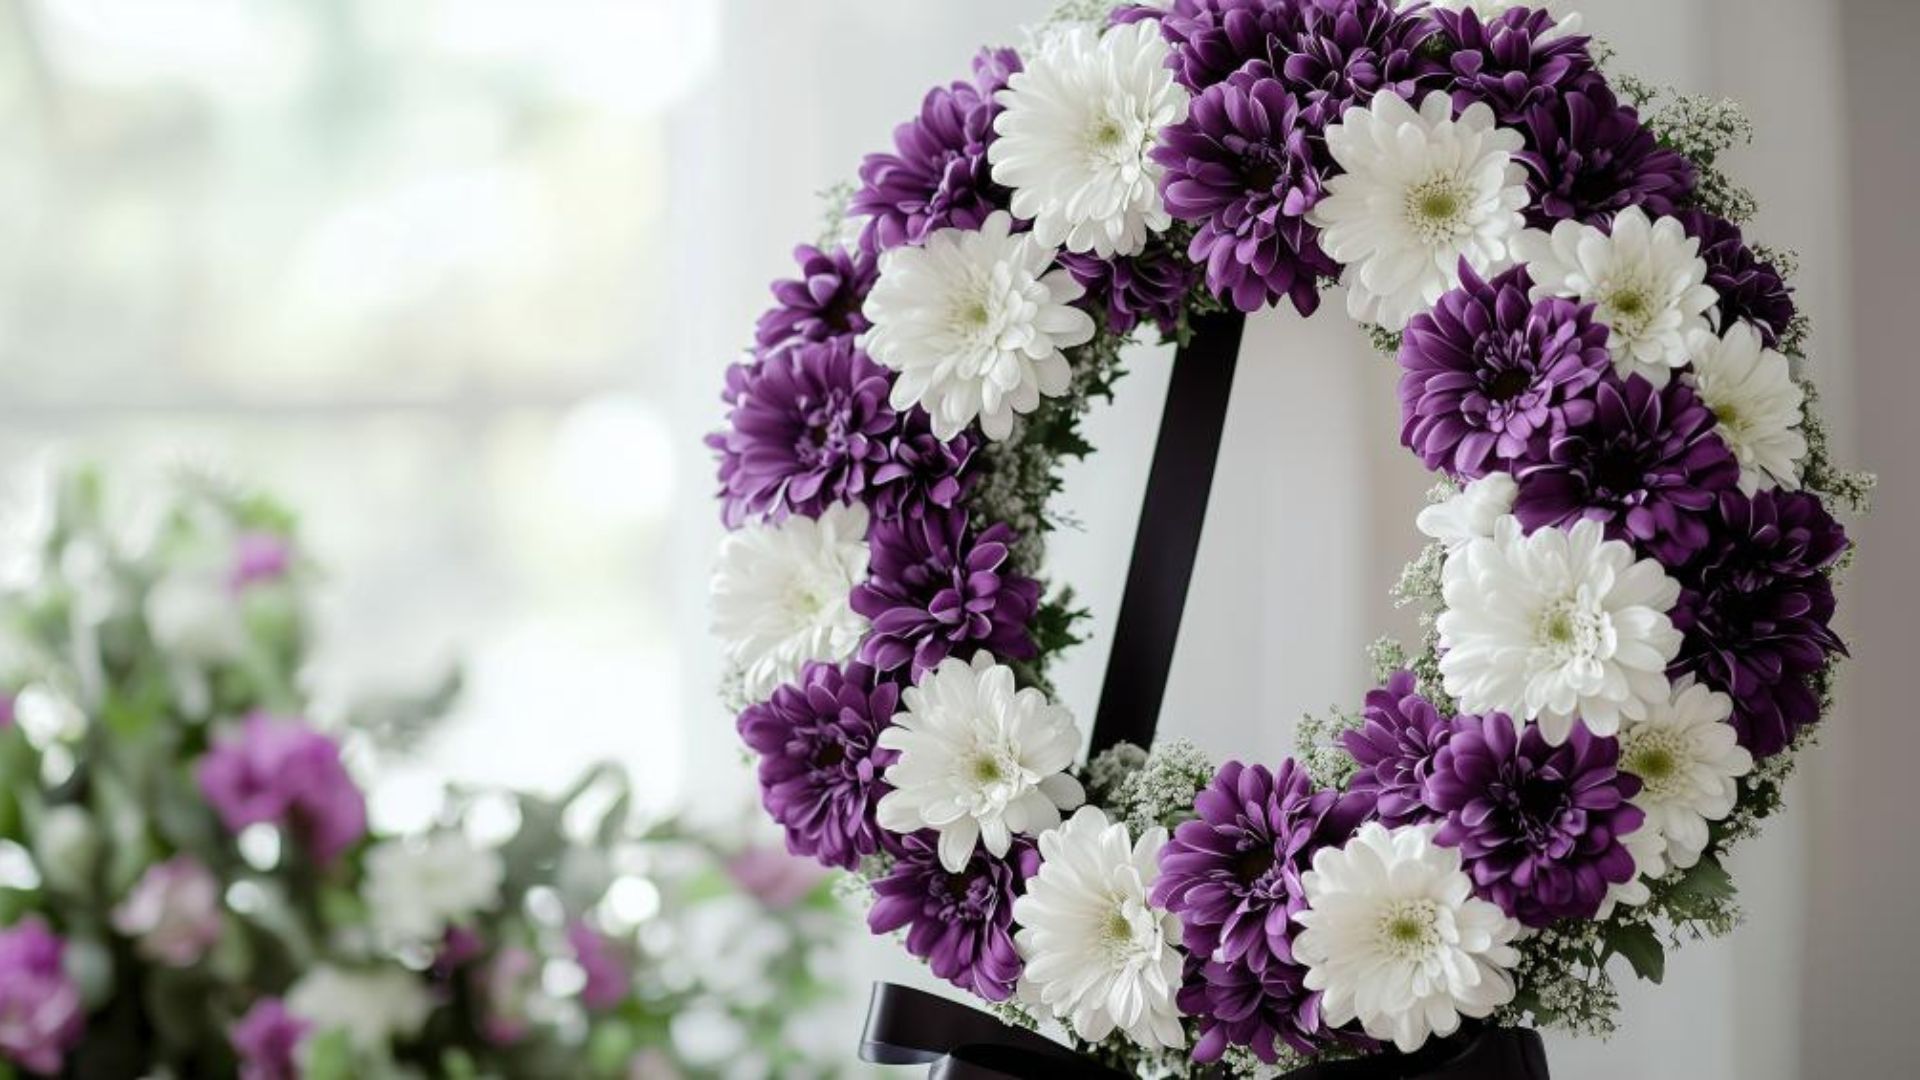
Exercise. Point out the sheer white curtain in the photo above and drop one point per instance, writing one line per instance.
(1313, 504)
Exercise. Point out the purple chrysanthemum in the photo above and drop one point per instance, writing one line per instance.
(1588, 157)
(820, 772)
(920, 471)
(1211, 39)
(1232, 875)
(823, 302)
(1512, 61)
(1490, 367)
(1128, 290)
(1241, 167)
(1260, 1010)
(1756, 607)
(938, 176)
(1395, 748)
(1343, 52)
(810, 427)
(960, 924)
(1538, 826)
(1750, 288)
(278, 771)
(1646, 464)
(936, 587)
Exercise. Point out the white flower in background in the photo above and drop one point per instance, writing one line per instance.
(1751, 391)
(1646, 279)
(373, 1007)
(1418, 192)
(195, 616)
(416, 887)
(1097, 955)
(980, 760)
(1688, 759)
(1470, 513)
(975, 322)
(781, 595)
(173, 913)
(1393, 935)
(1075, 134)
(67, 848)
(1649, 851)
(1556, 625)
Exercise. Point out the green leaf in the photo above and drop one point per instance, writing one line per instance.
(330, 1057)
(1641, 946)
(1706, 880)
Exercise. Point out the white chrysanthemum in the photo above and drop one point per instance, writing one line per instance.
(1097, 954)
(1646, 279)
(1557, 625)
(1470, 513)
(1418, 192)
(417, 887)
(1649, 851)
(1393, 935)
(980, 760)
(781, 595)
(1075, 134)
(1688, 759)
(1751, 391)
(975, 322)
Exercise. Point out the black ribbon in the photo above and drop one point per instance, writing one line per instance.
(1168, 537)
(911, 1027)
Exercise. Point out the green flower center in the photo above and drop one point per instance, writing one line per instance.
(1437, 208)
(1408, 928)
(1656, 757)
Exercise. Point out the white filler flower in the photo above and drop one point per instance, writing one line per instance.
(980, 760)
(1076, 133)
(781, 595)
(1646, 279)
(1751, 391)
(1097, 955)
(1556, 625)
(1688, 759)
(975, 322)
(417, 887)
(1394, 936)
(1470, 513)
(1418, 192)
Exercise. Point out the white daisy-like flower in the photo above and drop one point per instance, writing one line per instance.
(1098, 955)
(1649, 851)
(1688, 759)
(1646, 279)
(975, 322)
(781, 595)
(1075, 136)
(417, 887)
(1757, 404)
(1417, 193)
(1393, 935)
(1470, 513)
(980, 760)
(1557, 625)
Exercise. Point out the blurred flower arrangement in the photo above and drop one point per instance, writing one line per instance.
(190, 885)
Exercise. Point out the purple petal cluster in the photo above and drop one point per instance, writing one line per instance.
(810, 426)
(1750, 288)
(938, 176)
(1646, 464)
(1756, 607)
(267, 1041)
(1490, 368)
(1242, 168)
(935, 587)
(1211, 39)
(1395, 748)
(1588, 157)
(1538, 826)
(960, 924)
(824, 301)
(41, 1014)
(1346, 51)
(1512, 61)
(820, 770)
(920, 471)
(1128, 290)
(608, 980)
(279, 771)
(1232, 875)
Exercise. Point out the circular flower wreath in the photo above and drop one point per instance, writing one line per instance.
(1629, 593)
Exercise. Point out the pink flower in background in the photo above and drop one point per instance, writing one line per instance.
(7, 708)
(266, 1040)
(774, 877)
(259, 557)
(282, 772)
(608, 980)
(505, 985)
(40, 1010)
(173, 912)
